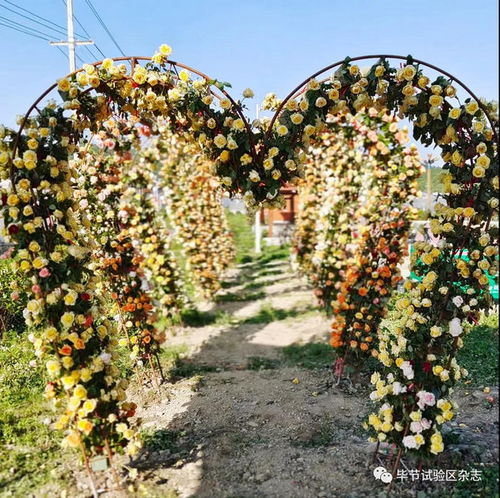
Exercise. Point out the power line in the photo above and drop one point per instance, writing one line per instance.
(34, 20)
(88, 36)
(63, 52)
(23, 31)
(23, 26)
(103, 24)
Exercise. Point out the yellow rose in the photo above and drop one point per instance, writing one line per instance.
(67, 319)
(471, 107)
(248, 93)
(427, 259)
(416, 416)
(67, 362)
(72, 440)
(225, 103)
(409, 72)
(224, 156)
(436, 331)
(63, 85)
(437, 369)
(34, 246)
(50, 333)
(309, 130)
(282, 130)
(39, 263)
(469, 212)
(238, 124)
(25, 265)
(436, 89)
(333, 94)
(89, 405)
(85, 426)
(61, 423)
(297, 118)
(12, 200)
(268, 164)
(455, 113)
(80, 392)
(27, 210)
(478, 172)
(478, 126)
(165, 50)
(320, 102)
(483, 161)
(220, 141)
(423, 81)
(53, 367)
(68, 381)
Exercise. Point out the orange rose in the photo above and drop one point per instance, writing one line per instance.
(65, 350)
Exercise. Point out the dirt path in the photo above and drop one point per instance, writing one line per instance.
(236, 430)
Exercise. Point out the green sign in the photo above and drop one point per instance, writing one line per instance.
(465, 256)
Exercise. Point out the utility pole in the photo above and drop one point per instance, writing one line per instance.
(71, 42)
(258, 249)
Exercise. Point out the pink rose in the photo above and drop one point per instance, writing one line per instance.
(36, 289)
(44, 272)
(425, 398)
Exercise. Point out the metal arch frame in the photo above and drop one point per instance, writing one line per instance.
(297, 90)
(133, 61)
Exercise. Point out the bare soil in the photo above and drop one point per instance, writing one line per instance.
(282, 431)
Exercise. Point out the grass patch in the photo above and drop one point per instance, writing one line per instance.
(322, 436)
(228, 285)
(486, 487)
(29, 448)
(311, 355)
(244, 238)
(261, 363)
(178, 367)
(273, 253)
(231, 297)
(266, 272)
(268, 314)
(480, 352)
(193, 317)
(162, 439)
(255, 285)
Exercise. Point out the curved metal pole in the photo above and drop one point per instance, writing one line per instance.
(381, 56)
(133, 60)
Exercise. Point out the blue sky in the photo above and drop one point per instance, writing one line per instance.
(268, 45)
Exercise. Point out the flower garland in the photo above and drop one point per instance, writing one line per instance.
(424, 346)
(44, 222)
(198, 218)
(67, 323)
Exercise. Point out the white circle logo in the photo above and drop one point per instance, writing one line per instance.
(381, 474)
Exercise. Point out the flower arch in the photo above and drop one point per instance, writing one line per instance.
(418, 356)
(77, 341)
